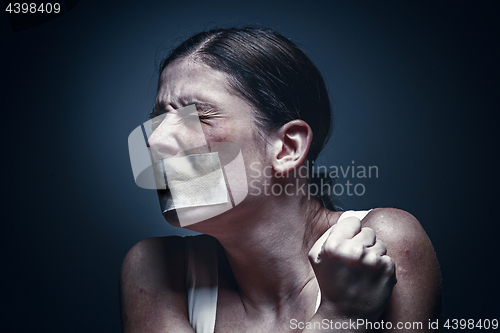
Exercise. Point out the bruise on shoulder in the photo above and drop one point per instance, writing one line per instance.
(400, 231)
(417, 293)
(406, 241)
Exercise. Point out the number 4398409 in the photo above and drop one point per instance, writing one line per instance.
(462, 324)
(32, 8)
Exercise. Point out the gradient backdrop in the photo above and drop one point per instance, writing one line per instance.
(415, 86)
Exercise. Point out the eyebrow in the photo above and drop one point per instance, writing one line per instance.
(160, 106)
(205, 104)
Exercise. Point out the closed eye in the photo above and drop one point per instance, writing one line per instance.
(204, 111)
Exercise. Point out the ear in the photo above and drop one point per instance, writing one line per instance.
(292, 142)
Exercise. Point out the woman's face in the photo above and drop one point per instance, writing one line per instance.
(225, 125)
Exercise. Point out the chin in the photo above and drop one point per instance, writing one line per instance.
(182, 217)
(171, 218)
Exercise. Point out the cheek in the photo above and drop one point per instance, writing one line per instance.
(223, 131)
(219, 134)
(242, 135)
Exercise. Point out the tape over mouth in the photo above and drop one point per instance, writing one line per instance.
(201, 186)
(194, 180)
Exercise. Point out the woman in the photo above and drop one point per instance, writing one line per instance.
(281, 258)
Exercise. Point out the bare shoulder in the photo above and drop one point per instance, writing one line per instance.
(396, 227)
(152, 288)
(417, 294)
(149, 262)
(403, 235)
(406, 241)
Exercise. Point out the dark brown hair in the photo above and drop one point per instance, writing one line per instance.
(270, 72)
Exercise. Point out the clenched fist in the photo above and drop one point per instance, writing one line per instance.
(354, 273)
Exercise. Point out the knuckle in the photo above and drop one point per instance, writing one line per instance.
(350, 223)
(381, 246)
(389, 264)
(356, 224)
(350, 250)
(371, 259)
(368, 231)
(368, 236)
(330, 246)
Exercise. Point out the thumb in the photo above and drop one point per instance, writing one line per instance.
(317, 248)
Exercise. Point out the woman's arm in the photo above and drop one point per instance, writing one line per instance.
(152, 287)
(416, 298)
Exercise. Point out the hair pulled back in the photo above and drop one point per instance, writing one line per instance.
(270, 72)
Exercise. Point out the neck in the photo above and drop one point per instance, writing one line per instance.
(268, 252)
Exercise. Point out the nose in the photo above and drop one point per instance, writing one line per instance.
(163, 141)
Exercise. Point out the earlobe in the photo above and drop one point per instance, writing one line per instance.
(292, 142)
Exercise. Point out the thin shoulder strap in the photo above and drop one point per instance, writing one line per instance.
(360, 215)
(201, 282)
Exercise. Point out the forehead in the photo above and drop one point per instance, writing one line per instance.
(186, 81)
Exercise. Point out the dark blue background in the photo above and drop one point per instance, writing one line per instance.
(415, 87)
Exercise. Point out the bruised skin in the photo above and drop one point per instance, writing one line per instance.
(154, 296)
(263, 237)
(417, 295)
(187, 82)
(223, 115)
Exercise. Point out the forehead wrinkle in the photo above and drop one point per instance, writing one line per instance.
(186, 82)
(184, 95)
